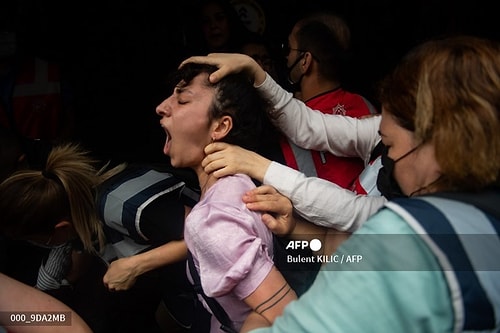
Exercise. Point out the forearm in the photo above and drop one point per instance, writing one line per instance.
(255, 166)
(271, 297)
(311, 129)
(322, 202)
(253, 321)
(168, 253)
(258, 74)
(330, 238)
(304, 230)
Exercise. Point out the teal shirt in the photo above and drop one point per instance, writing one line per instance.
(395, 286)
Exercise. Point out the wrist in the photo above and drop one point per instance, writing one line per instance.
(292, 224)
(259, 167)
(136, 265)
(259, 75)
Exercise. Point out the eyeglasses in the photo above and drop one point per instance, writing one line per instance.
(286, 51)
(285, 48)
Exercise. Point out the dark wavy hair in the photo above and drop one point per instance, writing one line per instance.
(235, 96)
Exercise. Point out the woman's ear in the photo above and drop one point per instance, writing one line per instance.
(222, 127)
(62, 225)
(63, 232)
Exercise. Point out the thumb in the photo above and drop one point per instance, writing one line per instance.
(269, 220)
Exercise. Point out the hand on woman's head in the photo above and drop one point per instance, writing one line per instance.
(229, 63)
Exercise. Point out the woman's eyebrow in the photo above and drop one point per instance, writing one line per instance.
(180, 89)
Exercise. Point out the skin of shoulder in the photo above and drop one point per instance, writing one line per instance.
(29, 299)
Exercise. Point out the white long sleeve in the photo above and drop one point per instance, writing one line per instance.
(312, 129)
(320, 201)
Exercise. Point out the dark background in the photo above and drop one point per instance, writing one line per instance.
(117, 54)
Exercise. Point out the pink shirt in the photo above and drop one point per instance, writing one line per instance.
(231, 247)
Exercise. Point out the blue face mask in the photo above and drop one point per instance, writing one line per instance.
(386, 183)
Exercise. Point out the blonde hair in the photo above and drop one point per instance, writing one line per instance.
(33, 201)
(447, 91)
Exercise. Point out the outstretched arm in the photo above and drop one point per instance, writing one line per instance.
(320, 201)
(317, 200)
(281, 220)
(307, 128)
(123, 273)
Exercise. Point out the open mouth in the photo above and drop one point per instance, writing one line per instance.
(166, 147)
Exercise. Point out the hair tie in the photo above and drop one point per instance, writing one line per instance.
(50, 175)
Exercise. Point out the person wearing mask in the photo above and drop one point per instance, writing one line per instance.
(317, 57)
(435, 241)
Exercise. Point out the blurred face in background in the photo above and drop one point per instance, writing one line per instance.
(215, 25)
(260, 54)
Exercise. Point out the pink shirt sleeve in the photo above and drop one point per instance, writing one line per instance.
(230, 244)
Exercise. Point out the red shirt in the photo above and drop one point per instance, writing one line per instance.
(342, 171)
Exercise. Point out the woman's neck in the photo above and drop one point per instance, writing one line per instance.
(206, 181)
